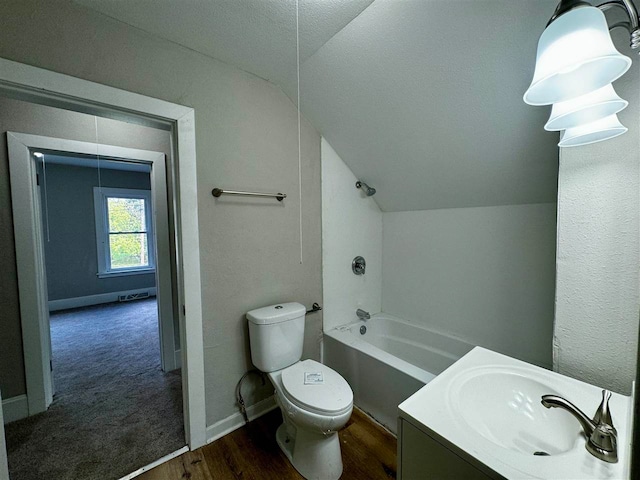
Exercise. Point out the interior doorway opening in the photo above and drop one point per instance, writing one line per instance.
(100, 231)
(42, 87)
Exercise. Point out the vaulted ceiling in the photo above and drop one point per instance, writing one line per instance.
(258, 36)
(421, 98)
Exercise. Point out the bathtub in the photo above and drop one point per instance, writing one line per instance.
(389, 362)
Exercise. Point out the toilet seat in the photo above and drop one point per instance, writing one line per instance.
(331, 397)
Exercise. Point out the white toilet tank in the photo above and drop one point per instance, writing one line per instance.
(276, 334)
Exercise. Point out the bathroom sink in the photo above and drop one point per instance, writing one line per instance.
(503, 406)
(486, 409)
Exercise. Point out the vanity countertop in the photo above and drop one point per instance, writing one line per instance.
(486, 408)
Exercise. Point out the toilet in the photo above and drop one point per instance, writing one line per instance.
(315, 400)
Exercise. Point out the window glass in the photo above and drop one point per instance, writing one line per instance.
(126, 215)
(124, 231)
(128, 250)
(128, 242)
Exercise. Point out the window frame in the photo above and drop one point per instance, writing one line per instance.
(100, 196)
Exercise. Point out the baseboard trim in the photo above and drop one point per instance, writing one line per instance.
(76, 302)
(235, 421)
(15, 408)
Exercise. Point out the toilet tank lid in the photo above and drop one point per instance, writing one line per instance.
(276, 313)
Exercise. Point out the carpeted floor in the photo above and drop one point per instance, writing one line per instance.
(114, 409)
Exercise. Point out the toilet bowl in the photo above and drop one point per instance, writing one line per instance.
(315, 400)
(312, 414)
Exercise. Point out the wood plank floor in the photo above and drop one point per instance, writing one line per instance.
(251, 452)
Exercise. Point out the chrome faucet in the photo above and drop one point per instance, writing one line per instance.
(362, 315)
(602, 437)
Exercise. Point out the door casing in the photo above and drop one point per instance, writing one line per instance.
(29, 234)
(41, 86)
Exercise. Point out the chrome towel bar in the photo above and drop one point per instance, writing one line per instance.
(216, 192)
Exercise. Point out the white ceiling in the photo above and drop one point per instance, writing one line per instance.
(421, 98)
(258, 36)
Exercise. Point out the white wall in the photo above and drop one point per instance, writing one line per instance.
(485, 275)
(351, 226)
(597, 302)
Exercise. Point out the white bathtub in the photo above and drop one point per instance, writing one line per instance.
(390, 362)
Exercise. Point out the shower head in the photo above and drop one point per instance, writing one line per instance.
(366, 188)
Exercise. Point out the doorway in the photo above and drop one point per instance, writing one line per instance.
(101, 234)
(48, 88)
(33, 217)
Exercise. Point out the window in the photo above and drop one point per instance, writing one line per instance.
(124, 231)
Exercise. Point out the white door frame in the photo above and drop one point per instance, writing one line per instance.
(42, 86)
(32, 282)
(30, 253)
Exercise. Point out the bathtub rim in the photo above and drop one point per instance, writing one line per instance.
(343, 335)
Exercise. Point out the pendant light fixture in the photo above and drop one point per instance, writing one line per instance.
(585, 109)
(575, 56)
(575, 65)
(603, 129)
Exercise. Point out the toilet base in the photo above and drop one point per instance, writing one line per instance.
(314, 456)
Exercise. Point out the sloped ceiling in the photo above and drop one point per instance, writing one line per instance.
(258, 36)
(421, 98)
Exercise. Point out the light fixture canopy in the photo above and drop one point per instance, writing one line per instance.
(603, 129)
(575, 56)
(585, 109)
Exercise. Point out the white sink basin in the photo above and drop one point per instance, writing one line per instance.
(486, 409)
(503, 405)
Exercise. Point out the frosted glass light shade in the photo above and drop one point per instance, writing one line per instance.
(593, 132)
(575, 56)
(585, 109)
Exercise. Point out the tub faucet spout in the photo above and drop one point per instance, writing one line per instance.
(362, 315)
(602, 437)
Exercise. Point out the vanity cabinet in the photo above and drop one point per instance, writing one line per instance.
(482, 418)
(421, 457)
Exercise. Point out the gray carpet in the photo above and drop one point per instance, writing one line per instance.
(114, 410)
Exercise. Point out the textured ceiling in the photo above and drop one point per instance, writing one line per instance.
(258, 36)
(421, 98)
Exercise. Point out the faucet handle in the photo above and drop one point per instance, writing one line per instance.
(604, 438)
(603, 414)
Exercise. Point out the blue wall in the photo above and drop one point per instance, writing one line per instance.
(71, 253)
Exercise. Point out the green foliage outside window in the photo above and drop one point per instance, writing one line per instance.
(128, 243)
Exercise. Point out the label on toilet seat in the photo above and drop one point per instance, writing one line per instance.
(313, 378)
